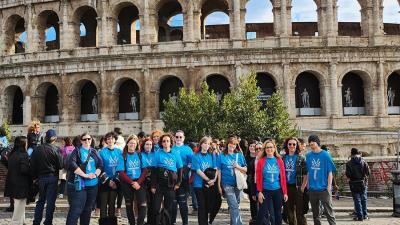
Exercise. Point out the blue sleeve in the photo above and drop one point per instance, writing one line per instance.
(121, 164)
(155, 161)
(218, 160)
(195, 163)
(190, 155)
(179, 163)
(214, 159)
(242, 160)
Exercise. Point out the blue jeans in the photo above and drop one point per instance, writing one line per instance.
(360, 203)
(232, 195)
(270, 209)
(47, 194)
(80, 204)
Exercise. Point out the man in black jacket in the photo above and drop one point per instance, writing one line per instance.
(46, 161)
(357, 171)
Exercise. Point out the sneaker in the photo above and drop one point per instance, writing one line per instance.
(357, 219)
(60, 196)
(366, 218)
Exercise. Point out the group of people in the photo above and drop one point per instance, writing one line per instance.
(155, 174)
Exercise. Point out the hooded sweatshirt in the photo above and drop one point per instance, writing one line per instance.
(357, 169)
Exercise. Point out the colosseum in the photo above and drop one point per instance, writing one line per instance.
(111, 63)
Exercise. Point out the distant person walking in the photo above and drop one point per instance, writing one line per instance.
(357, 171)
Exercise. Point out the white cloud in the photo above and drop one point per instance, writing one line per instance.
(391, 11)
(348, 11)
(304, 11)
(259, 11)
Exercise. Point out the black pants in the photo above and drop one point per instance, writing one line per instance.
(61, 187)
(162, 193)
(108, 197)
(253, 208)
(150, 211)
(181, 195)
(140, 199)
(209, 202)
(119, 198)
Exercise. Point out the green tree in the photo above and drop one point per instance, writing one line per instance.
(197, 114)
(243, 113)
(278, 123)
(7, 129)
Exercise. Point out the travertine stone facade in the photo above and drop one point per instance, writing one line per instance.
(154, 56)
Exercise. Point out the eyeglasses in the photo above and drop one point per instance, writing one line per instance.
(291, 144)
(178, 136)
(269, 147)
(164, 141)
(86, 139)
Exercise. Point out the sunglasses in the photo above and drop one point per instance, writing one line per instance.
(292, 144)
(86, 139)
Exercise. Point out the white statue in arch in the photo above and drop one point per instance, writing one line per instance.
(94, 105)
(174, 98)
(133, 103)
(305, 97)
(347, 97)
(391, 95)
(219, 97)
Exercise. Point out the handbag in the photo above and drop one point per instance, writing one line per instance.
(240, 177)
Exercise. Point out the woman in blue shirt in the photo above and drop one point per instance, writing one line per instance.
(204, 162)
(110, 181)
(231, 158)
(148, 155)
(132, 177)
(87, 164)
(166, 177)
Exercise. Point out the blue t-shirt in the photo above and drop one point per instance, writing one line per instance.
(148, 159)
(290, 168)
(110, 161)
(185, 152)
(201, 162)
(168, 160)
(131, 166)
(319, 165)
(271, 175)
(4, 140)
(157, 148)
(225, 165)
(90, 167)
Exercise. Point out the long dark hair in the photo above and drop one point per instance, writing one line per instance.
(232, 140)
(20, 144)
(132, 137)
(286, 148)
(144, 143)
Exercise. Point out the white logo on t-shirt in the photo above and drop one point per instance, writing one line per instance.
(169, 162)
(289, 168)
(204, 166)
(133, 165)
(315, 165)
(272, 169)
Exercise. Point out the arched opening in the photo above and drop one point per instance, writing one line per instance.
(308, 99)
(169, 88)
(353, 94)
(304, 19)
(51, 105)
(129, 100)
(89, 102)
(393, 93)
(391, 17)
(170, 18)
(215, 19)
(259, 19)
(128, 25)
(267, 85)
(14, 100)
(49, 32)
(349, 18)
(15, 34)
(86, 27)
(219, 85)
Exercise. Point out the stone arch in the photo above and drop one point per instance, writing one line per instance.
(86, 16)
(167, 9)
(127, 16)
(89, 98)
(47, 21)
(14, 28)
(307, 82)
(317, 73)
(268, 85)
(13, 104)
(128, 99)
(169, 87)
(219, 84)
(393, 86)
(214, 31)
(364, 74)
(347, 26)
(303, 25)
(46, 102)
(254, 27)
(356, 93)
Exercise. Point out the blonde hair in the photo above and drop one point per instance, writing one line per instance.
(32, 125)
(269, 141)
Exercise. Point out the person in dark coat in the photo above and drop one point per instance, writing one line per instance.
(19, 179)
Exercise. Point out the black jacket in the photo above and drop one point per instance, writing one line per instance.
(46, 160)
(251, 181)
(357, 169)
(74, 161)
(34, 140)
(18, 176)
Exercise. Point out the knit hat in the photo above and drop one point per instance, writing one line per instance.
(354, 151)
(314, 138)
(51, 133)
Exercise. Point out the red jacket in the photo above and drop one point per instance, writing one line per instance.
(259, 174)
